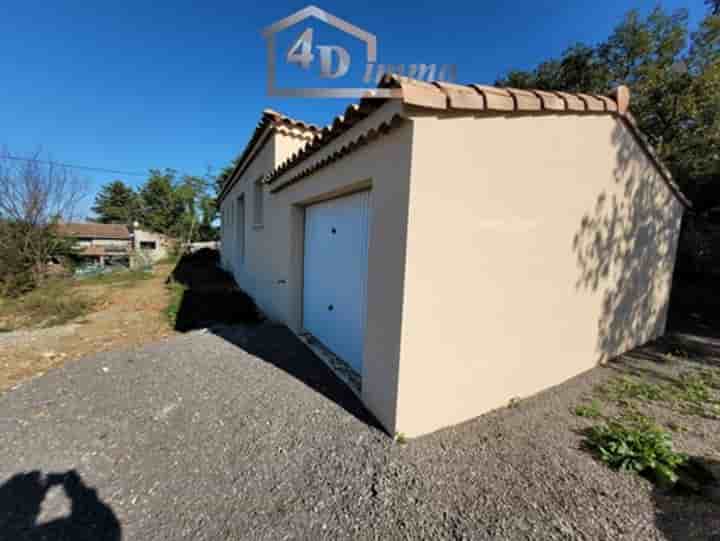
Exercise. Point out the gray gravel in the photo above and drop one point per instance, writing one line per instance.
(195, 438)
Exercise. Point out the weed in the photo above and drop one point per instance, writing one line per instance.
(400, 438)
(177, 290)
(591, 410)
(641, 447)
(676, 427)
(711, 376)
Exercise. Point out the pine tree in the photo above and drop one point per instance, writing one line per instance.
(116, 203)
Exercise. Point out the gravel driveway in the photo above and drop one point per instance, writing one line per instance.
(195, 438)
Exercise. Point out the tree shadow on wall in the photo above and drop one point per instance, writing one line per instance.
(21, 499)
(625, 249)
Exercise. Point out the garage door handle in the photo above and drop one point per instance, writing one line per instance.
(331, 307)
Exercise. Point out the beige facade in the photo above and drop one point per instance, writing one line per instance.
(150, 245)
(507, 252)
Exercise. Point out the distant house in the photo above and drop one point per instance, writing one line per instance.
(99, 243)
(115, 243)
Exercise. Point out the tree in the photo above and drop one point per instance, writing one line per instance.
(674, 77)
(117, 203)
(224, 175)
(162, 209)
(182, 208)
(35, 195)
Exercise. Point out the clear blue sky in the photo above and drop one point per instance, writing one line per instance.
(133, 85)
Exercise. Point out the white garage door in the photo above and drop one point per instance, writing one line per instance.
(335, 275)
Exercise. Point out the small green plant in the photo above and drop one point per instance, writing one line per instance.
(591, 410)
(641, 447)
(177, 290)
(400, 438)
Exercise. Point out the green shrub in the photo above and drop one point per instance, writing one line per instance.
(640, 447)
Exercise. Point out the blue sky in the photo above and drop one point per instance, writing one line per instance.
(133, 85)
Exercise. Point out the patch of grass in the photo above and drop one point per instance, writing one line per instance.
(591, 411)
(692, 393)
(638, 446)
(177, 290)
(169, 260)
(121, 277)
(53, 303)
(624, 388)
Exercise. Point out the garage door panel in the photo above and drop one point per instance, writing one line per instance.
(335, 275)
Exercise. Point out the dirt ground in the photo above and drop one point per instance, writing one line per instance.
(124, 315)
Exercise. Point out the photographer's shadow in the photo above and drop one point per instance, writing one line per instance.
(21, 499)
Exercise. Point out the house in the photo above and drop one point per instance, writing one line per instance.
(99, 243)
(457, 246)
(151, 245)
(115, 243)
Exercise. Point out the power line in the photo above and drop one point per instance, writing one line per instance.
(70, 166)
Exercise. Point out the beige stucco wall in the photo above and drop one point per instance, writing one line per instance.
(162, 244)
(537, 246)
(272, 270)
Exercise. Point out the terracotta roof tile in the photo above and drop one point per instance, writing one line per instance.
(462, 97)
(550, 101)
(448, 96)
(440, 96)
(93, 230)
(572, 101)
(272, 119)
(525, 100)
(496, 99)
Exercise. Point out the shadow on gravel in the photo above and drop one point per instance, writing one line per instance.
(277, 345)
(21, 499)
(211, 295)
(212, 300)
(691, 510)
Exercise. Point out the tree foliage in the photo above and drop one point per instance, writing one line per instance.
(674, 77)
(181, 207)
(117, 203)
